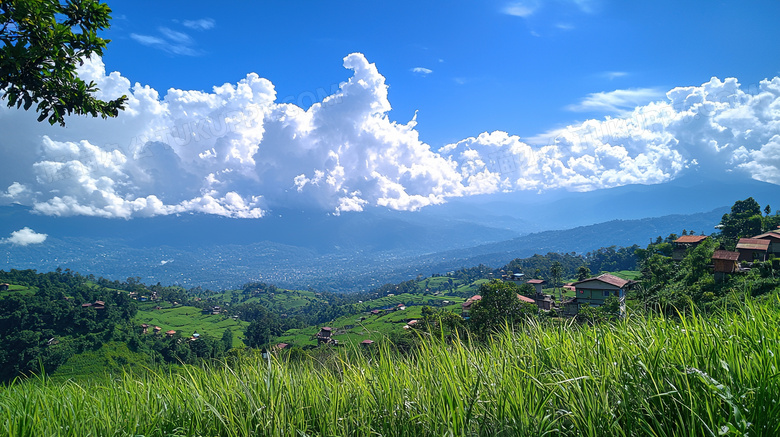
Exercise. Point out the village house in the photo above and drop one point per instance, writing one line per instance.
(516, 276)
(325, 336)
(753, 249)
(594, 291)
(682, 244)
(170, 333)
(5, 287)
(537, 284)
(724, 262)
(543, 301)
(774, 241)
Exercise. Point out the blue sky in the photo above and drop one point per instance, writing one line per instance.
(519, 67)
(241, 108)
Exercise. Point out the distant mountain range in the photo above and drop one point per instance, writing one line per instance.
(358, 251)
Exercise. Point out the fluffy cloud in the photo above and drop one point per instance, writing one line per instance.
(25, 237)
(236, 151)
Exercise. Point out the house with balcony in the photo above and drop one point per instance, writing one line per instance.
(595, 291)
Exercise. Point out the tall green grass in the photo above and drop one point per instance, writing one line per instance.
(698, 375)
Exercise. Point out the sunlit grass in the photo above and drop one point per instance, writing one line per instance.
(713, 375)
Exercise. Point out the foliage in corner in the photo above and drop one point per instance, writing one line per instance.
(41, 44)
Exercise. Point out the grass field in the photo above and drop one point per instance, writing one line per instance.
(353, 329)
(188, 320)
(19, 289)
(111, 358)
(695, 376)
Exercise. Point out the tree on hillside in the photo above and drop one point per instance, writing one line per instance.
(556, 271)
(498, 307)
(745, 220)
(227, 339)
(583, 273)
(41, 44)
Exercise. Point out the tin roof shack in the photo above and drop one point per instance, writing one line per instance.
(594, 291)
(753, 249)
(774, 242)
(682, 244)
(325, 336)
(5, 287)
(543, 301)
(724, 262)
(537, 284)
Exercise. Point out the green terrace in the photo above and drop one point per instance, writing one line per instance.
(379, 318)
(187, 320)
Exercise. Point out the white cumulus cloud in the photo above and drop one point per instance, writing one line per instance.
(236, 151)
(25, 237)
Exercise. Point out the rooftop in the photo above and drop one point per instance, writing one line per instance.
(753, 244)
(725, 255)
(607, 279)
(770, 235)
(690, 239)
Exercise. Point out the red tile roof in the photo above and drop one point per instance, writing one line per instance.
(326, 328)
(753, 244)
(725, 255)
(691, 239)
(467, 304)
(525, 299)
(536, 281)
(367, 341)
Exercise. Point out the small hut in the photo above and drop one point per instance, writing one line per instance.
(724, 262)
(325, 336)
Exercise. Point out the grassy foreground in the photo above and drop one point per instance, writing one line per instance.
(715, 375)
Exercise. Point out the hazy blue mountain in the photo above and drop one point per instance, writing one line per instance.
(363, 250)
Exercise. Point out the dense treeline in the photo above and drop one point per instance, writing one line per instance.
(43, 326)
(57, 315)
